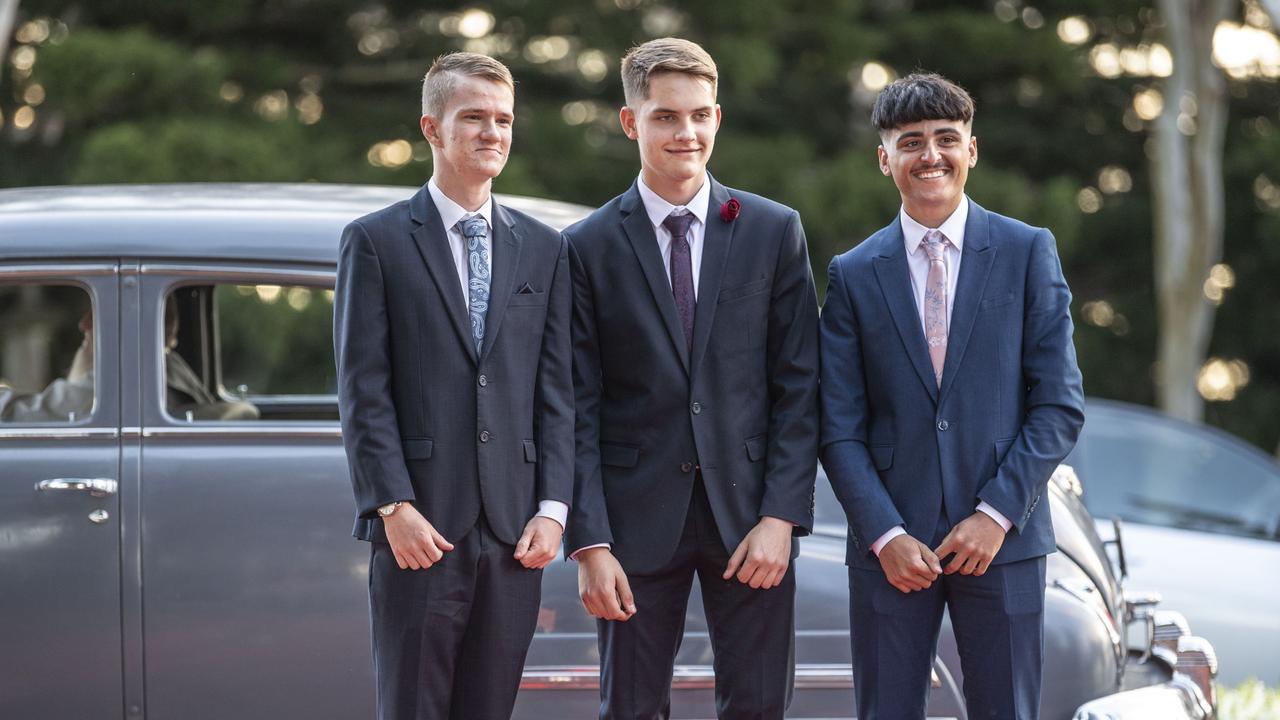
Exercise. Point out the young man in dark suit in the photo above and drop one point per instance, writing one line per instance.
(695, 371)
(950, 392)
(452, 330)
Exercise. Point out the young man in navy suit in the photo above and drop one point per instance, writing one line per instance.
(451, 326)
(695, 378)
(950, 392)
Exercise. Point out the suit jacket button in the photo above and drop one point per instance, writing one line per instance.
(943, 425)
(483, 381)
(696, 408)
(686, 467)
(484, 436)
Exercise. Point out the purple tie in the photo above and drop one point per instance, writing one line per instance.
(935, 301)
(682, 270)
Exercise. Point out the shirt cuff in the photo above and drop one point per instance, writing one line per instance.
(574, 556)
(994, 514)
(555, 510)
(884, 539)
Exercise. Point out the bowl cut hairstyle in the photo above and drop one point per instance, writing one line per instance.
(440, 80)
(664, 55)
(919, 97)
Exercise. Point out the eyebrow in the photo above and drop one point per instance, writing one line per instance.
(706, 108)
(940, 131)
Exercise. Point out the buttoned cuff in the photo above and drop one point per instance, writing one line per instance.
(574, 556)
(884, 539)
(555, 510)
(994, 514)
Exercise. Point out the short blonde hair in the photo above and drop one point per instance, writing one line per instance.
(664, 55)
(437, 86)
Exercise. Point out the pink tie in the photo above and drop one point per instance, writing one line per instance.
(935, 301)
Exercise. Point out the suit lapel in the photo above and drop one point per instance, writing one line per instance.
(639, 231)
(716, 242)
(506, 258)
(975, 266)
(433, 245)
(895, 284)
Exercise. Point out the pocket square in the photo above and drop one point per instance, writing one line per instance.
(526, 289)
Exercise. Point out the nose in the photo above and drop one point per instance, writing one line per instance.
(489, 129)
(684, 131)
(931, 153)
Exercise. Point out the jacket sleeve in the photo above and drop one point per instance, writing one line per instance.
(866, 502)
(589, 519)
(792, 374)
(362, 349)
(1055, 392)
(554, 393)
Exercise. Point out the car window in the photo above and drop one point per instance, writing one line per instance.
(1146, 468)
(46, 354)
(250, 352)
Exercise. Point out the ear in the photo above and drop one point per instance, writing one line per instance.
(627, 117)
(882, 156)
(431, 130)
(973, 151)
(717, 116)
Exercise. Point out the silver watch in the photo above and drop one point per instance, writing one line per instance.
(389, 509)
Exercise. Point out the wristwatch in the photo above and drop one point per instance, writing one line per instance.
(389, 509)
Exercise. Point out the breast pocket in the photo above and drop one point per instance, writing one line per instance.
(742, 315)
(530, 299)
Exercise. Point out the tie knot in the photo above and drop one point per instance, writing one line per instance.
(678, 224)
(934, 243)
(473, 227)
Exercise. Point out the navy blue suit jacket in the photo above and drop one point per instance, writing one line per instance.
(898, 449)
(741, 403)
(424, 416)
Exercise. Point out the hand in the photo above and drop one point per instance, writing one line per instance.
(82, 362)
(603, 586)
(975, 542)
(762, 557)
(416, 545)
(909, 564)
(539, 543)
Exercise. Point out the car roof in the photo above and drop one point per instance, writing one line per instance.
(241, 221)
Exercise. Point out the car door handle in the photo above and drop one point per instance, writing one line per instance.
(97, 487)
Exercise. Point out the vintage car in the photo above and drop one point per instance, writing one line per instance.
(175, 507)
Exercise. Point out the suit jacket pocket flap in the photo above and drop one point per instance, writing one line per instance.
(740, 291)
(882, 456)
(529, 298)
(995, 299)
(619, 455)
(1002, 448)
(757, 447)
(418, 448)
(530, 451)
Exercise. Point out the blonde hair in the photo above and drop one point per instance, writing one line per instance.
(437, 86)
(662, 56)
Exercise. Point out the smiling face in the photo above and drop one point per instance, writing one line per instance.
(471, 138)
(929, 161)
(675, 127)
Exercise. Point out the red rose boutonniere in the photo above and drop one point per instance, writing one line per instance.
(729, 211)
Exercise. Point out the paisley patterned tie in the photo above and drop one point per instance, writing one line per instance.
(475, 230)
(935, 301)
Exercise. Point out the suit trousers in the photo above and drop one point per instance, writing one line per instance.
(998, 620)
(752, 633)
(449, 642)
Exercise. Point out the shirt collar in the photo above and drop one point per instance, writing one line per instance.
(451, 212)
(658, 209)
(953, 227)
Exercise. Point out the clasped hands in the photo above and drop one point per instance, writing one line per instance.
(760, 562)
(417, 545)
(910, 565)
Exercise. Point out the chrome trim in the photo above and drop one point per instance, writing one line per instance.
(809, 676)
(1066, 478)
(1139, 607)
(242, 432)
(242, 273)
(47, 270)
(97, 487)
(1172, 700)
(75, 433)
(1198, 664)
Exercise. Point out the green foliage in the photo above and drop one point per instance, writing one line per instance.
(1250, 700)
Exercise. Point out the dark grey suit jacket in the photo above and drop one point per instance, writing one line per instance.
(424, 418)
(742, 404)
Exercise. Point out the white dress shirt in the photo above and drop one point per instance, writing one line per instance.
(658, 209)
(450, 213)
(918, 266)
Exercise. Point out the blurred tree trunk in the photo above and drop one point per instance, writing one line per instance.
(8, 12)
(1186, 170)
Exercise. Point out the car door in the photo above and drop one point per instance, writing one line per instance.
(256, 593)
(60, 492)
